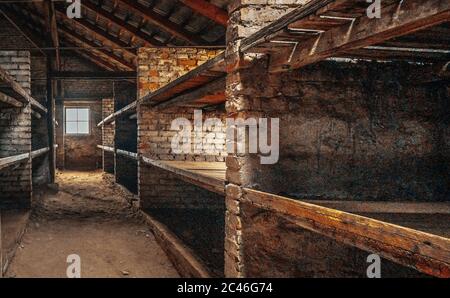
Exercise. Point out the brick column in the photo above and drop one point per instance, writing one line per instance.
(15, 136)
(243, 91)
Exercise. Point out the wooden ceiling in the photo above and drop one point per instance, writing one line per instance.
(110, 31)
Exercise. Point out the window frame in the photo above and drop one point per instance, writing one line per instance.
(77, 134)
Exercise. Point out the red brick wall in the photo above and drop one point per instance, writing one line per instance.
(108, 135)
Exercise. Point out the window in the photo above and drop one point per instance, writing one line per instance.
(77, 121)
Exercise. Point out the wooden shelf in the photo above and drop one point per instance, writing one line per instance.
(39, 152)
(322, 29)
(202, 86)
(11, 160)
(106, 148)
(131, 155)
(12, 89)
(129, 109)
(208, 175)
(422, 251)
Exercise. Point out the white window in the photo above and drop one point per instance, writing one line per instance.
(77, 121)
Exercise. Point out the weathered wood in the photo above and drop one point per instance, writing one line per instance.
(90, 45)
(10, 100)
(195, 95)
(398, 19)
(11, 160)
(205, 73)
(148, 40)
(131, 155)
(39, 152)
(9, 86)
(424, 252)
(208, 10)
(182, 257)
(52, 29)
(105, 148)
(208, 175)
(127, 109)
(94, 29)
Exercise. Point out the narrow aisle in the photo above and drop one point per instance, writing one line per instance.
(88, 216)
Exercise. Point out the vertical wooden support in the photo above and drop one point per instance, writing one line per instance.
(51, 121)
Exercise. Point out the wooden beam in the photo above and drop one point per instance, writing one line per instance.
(52, 29)
(147, 39)
(163, 22)
(90, 44)
(105, 148)
(94, 29)
(131, 155)
(398, 19)
(11, 160)
(39, 152)
(192, 175)
(94, 75)
(208, 10)
(424, 252)
(10, 100)
(9, 86)
(213, 87)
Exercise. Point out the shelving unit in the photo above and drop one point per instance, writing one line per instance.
(319, 31)
(424, 252)
(208, 175)
(12, 93)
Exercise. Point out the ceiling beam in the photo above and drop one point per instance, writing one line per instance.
(163, 22)
(91, 45)
(209, 10)
(111, 17)
(52, 29)
(94, 29)
(398, 19)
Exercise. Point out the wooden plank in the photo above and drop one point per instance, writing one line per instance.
(424, 252)
(127, 109)
(95, 30)
(209, 10)
(128, 154)
(183, 258)
(195, 95)
(208, 175)
(39, 152)
(10, 100)
(398, 19)
(105, 148)
(211, 69)
(148, 40)
(9, 86)
(92, 45)
(52, 29)
(11, 160)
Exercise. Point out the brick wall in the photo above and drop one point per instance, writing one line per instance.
(108, 135)
(15, 136)
(80, 92)
(348, 131)
(160, 189)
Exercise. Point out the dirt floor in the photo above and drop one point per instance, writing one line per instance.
(89, 216)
